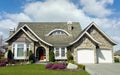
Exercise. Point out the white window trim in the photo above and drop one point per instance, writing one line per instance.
(24, 50)
(60, 55)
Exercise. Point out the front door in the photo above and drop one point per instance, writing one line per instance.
(41, 54)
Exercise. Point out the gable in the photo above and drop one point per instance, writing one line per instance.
(97, 35)
(94, 28)
(85, 42)
(21, 36)
(20, 32)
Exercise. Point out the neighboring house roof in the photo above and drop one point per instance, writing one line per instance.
(42, 29)
(117, 52)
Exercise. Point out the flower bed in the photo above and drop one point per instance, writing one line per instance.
(55, 66)
(2, 64)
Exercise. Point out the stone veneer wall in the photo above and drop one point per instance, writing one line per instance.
(84, 43)
(100, 38)
(105, 44)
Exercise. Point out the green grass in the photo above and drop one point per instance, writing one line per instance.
(35, 69)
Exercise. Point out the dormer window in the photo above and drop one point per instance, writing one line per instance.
(58, 32)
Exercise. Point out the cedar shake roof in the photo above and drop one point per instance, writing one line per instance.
(41, 29)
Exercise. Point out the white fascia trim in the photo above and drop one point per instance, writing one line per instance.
(77, 39)
(24, 32)
(13, 34)
(93, 24)
(37, 36)
(81, 37)
(93, 38)
(60, 30)
(29, 35)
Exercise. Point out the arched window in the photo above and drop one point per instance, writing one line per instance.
(58, 32)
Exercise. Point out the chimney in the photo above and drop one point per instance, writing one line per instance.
(69, 23)
(12, 30)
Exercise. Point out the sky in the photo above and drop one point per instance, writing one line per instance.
(105, 13)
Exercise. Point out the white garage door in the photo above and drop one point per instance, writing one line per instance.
(104, 56)
(85, 56)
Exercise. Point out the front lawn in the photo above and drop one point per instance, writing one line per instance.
(35, 69)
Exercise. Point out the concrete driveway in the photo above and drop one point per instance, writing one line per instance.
(103, 69)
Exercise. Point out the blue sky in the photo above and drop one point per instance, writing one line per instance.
(105, 13)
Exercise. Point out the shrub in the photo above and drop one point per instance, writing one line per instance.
(69, 56)
(51, 56)
(81, 66)
(48, 66)
(10, 57)
(10, 54)
(31, 57)
(2, 64)
(116, 59)
(55, 66)
(61, 66)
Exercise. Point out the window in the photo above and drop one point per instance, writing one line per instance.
(57, 52)
(60, 53)
(44, 54)
(63, 52)
(13, 50)
(20, 48)
(57, 32)
(27, 48)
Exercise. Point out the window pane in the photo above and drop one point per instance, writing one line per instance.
(63, 52)
(20, 48)
(13, 49)
(27, 46)
(57, 52)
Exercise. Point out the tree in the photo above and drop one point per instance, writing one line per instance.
(10, 56)
(31, 57)
(51, 56)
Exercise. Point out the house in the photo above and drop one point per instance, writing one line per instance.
(90, 45)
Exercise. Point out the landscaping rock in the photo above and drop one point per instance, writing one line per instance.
(71, 66)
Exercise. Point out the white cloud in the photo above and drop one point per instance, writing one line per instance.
(18, 17)
(96, 7)
(1, 33)
(64, 10)
(5, 24)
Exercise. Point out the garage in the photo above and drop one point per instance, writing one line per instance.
(85, 56)
(104, 56)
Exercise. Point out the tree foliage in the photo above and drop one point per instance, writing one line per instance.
(69, 55)
(51, 56)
